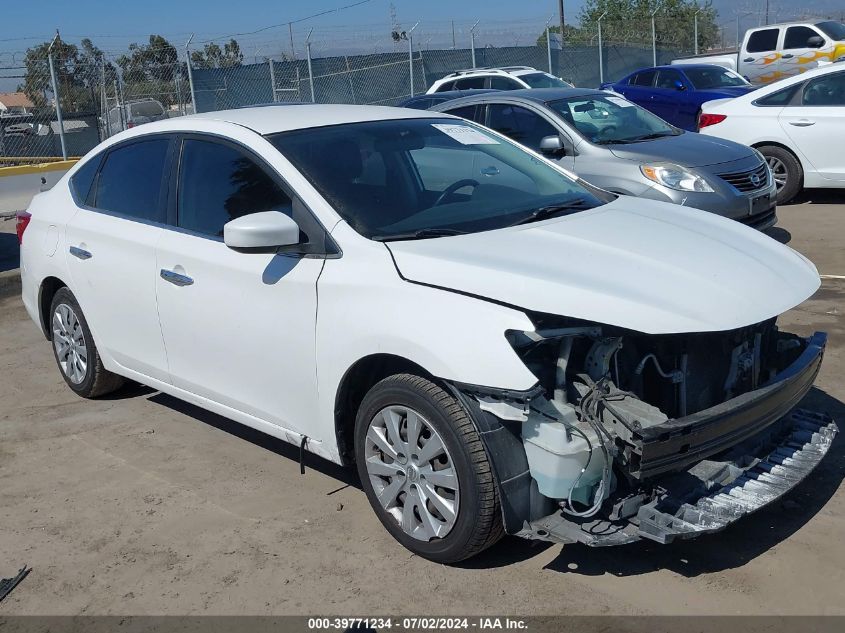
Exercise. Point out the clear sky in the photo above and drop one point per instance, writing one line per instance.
(115, 23)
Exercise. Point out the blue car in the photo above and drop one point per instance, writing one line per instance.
(675, 93)
(426, 101)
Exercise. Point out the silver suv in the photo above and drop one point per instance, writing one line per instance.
(504, 78)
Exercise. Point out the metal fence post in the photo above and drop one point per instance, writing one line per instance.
(472, 42)
(695, 31)
(601, 61)
(654, 38)
(349, 77)
(56, 97)
(308, 57)
(549, 46)
(411, 55)
(272, 79)
(190, 74)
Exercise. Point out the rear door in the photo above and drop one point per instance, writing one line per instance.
(112, 240)
(760, 61)
(817, 121)
(239, 326)
(639, 88)
(670, 102)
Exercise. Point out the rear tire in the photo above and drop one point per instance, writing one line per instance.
(74, 350)
(786, 170)
(399, 421)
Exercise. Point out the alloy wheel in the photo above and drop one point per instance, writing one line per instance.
(412, 473)
(779, 172)
(69, 343)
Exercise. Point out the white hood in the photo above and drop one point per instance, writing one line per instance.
(648, 266)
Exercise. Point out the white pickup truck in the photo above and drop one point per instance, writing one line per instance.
(775, 51)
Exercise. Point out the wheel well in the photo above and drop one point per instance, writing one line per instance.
(356, 382)
(49, 287)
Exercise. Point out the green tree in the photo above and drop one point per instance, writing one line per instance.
(156, 61)
(37, 84)
(212, 56)
(629, 21)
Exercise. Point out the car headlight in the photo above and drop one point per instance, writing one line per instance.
(675, 177)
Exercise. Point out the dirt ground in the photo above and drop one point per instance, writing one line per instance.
(139, 504)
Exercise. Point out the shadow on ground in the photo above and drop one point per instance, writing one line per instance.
(818, 196)
(734, 547)
(10, 254)
(777, 233)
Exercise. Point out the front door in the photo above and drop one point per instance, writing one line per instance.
(239, 327)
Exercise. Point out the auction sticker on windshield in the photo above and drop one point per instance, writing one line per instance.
(465, 134)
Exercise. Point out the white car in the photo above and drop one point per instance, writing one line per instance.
(797, 124)
(505, 78)
(498, 346)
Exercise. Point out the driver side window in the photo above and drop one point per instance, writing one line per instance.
(520, 124)
(218, 183)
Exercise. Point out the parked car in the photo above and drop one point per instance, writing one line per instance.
(499, 347)
(133, 113)
(505, 78)
(675, 94)
(776, 51)
(798, 124)
(426, 101)
(618, 146)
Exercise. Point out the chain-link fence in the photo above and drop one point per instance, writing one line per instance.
(90, 95)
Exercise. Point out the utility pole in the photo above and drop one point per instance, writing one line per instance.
(472, 41)
(560, 14)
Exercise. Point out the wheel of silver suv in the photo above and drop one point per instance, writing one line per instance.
(425, 471)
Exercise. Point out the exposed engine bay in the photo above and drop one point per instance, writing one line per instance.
(627, 431)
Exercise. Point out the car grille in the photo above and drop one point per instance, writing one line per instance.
(757, 178)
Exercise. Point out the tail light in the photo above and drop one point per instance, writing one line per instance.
(23, 219)
(705, 119)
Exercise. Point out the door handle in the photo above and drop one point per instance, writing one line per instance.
(748, 59)
(802, 123)
(787, 56)
(81, 253)
(175, 278)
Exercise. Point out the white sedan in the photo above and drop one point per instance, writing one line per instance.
(497, 346)
(798, 124)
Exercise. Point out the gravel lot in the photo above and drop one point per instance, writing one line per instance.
(142, 504)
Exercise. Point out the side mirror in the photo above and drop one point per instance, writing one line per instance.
(816, 41)
(267, 229)
(679, 85)
(552, 145)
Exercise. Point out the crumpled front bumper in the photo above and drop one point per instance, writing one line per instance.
(785, 455)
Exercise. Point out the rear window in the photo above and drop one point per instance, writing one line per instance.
(645, 78)
(714, 77)
(131, 180)
(779, 98)
(763, 41)
(543, 80)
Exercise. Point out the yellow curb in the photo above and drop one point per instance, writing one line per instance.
(20, 170)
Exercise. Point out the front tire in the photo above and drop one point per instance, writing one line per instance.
(425, 470)
(786, 170)
(74, 349)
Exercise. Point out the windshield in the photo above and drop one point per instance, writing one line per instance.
(543, 80)
(834, 30)
(609, 119)
(706, 78)
(410, 178)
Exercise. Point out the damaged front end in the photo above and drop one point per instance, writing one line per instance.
(630, 435)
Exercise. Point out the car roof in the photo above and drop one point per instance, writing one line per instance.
(543, 95)
(270, 120)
